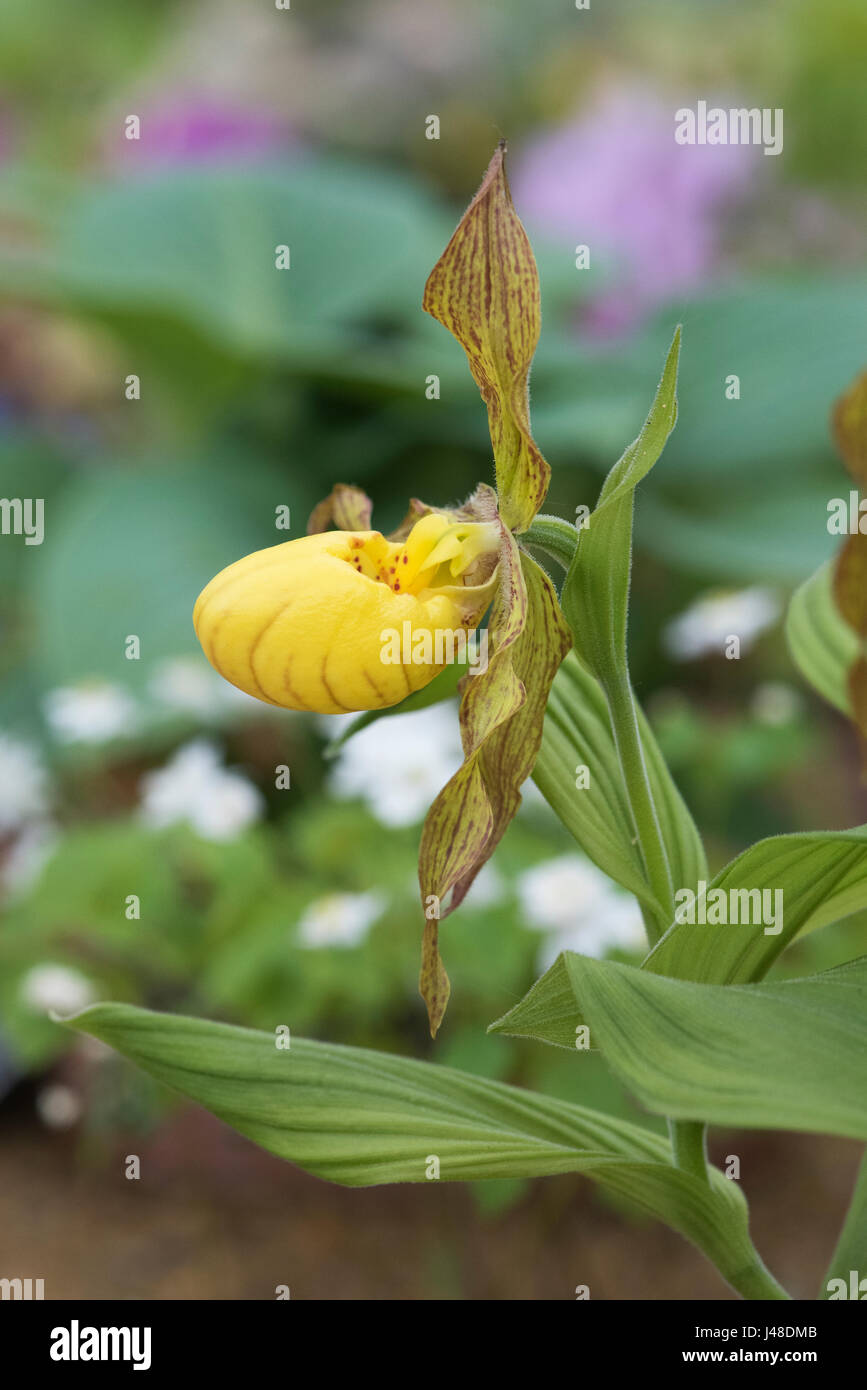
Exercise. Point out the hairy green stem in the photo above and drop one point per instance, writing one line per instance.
(555, 537)
(559, 539)
(755, 1281)
(689, 1147)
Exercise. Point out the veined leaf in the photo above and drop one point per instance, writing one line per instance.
(577, 733)
(790, 1055)
(162, 243)
(822, 645)
(823, 878)
(548, 1012)
(358, 1118)
(485, 290)
(595, 601)
(595, 594)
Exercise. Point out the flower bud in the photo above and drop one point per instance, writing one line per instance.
(311, 624)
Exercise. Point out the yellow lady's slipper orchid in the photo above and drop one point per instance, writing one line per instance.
(348, 620)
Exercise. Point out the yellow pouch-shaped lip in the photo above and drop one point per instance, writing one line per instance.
(304, 625)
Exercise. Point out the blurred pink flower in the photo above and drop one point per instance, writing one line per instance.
(616, 180)
(201, 129)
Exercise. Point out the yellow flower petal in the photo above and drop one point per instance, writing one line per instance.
(312, 624)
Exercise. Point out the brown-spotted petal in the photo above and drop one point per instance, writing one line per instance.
(849, 423)
(850, 583)
(346, 508)
(485, 290)
(502, 713)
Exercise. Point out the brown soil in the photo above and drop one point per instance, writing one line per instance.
(213, 1217)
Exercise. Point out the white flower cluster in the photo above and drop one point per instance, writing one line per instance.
(96, 711)
(704, 628)
(24, 814)
(339, 919)
(579, 909)
(195, 787)
(397, 765)
(55, 989)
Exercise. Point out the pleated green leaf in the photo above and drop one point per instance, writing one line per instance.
(822, 644)
(577, 733)
(548, 1012)
(595, 600)
(358, 1118)
(790, 1055)
(823, 878)
(595, 594)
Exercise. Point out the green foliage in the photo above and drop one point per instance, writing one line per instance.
(578, 733)
(822, 644)
(822, 877)
(164, 240)
(789, 1055)
(360, 1118)
(596, 591)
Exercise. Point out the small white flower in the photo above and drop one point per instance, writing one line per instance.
(580, 909)
(56, 989)
(704, 628)
(186, 685)
(92, 712)
(191, 686)
(399, 764)
(559, 892)
(23, 784)
(340, 919)
(58, 1107)
(28, 855)
(775, 703)
(616, 923)
(194, 787)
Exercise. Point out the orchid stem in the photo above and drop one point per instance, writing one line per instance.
(627, 737)
(554, 537)
(755, 1282)
(689, 1147)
